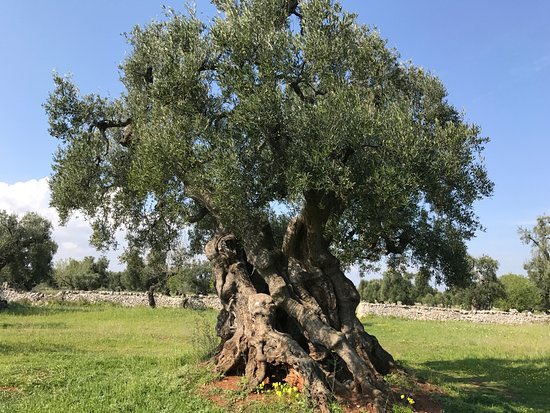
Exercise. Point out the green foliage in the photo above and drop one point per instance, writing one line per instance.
(486, 288)
(114, 281)
(538, 267)
(174, 272)
(422, 285)
(87, 274)
(396, 286)
(26, 249)
(244, 114)
(370, 291)
(133, 277)
(521, 293)
(428, 299)
(191, 277)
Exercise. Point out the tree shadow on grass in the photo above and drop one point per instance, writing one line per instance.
(33, 326)
(492, 384)
(7, 349)
(24, 309)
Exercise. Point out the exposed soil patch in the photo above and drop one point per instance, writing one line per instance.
(230, 392)
(10, 389)
(423, 400)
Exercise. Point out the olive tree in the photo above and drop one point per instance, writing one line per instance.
(26, 249)
(295, 143)
(87, 274)
(538, 267)
(486, 288)
(521, 293)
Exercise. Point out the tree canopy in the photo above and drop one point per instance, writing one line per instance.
(521, 293)
(538, 267)
(256, 113)
(486, 287)
(87, 274)
(26, 249)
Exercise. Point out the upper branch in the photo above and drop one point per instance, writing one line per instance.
(203, 211)
(103, 124)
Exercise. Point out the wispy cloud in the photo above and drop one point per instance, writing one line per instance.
(533, 67)
(72, 239)
(541, 64)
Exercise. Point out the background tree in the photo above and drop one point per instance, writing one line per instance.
(422, 285)
(521, 293)
(193, 276)
(370, 290)
(134, 276)
(277, 106)
(26, 249)
(486, 287)
(538, 267)
(86, 274)
(397, 286)
(188, 273)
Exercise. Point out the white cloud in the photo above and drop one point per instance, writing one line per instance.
(72, 239)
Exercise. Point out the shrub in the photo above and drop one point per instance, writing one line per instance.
(397, 287)
(370, 290)
(521, 293)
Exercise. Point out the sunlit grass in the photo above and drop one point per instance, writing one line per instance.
(482, 367)
(102, 358)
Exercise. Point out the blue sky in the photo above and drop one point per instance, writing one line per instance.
(493, 56)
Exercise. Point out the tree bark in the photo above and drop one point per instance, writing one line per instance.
(292, 310)
(151, 296)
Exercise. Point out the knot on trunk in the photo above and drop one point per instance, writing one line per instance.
(261, 258)
(222, 246)
(261, 305)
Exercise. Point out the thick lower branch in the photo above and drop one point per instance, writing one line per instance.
(280, 324)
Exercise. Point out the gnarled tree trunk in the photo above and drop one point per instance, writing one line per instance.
(292, 308)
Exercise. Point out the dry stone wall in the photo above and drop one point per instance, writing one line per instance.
(420, 312)
(131, 299)
(126, 299)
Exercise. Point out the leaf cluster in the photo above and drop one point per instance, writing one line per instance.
(237, 120)
(26, 249)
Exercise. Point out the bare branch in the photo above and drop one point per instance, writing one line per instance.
(203, 211)
(103, 125)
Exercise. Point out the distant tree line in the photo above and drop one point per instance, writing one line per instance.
(141, 274)
(27, 250)
(483, 291)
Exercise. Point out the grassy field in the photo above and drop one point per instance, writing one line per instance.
(80, 358)
(481, 367)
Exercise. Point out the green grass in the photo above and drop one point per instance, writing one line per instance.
(102, 358)
(482, 367)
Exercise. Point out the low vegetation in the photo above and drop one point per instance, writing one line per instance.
(102, 358)
(481, 368)
(482, 290)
